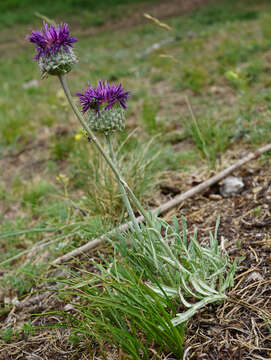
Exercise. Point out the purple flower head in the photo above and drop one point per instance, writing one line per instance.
(103, 94)
(50, 40)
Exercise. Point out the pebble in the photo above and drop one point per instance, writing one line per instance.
(68, 307)
(255, 276)
(155, 46)
(215, 197)
(231, 186)
(30, 84)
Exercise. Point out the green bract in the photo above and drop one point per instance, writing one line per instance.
(106, 121)
(60, 63)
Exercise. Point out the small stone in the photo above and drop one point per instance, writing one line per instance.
(7, 300)
(68, 307)
(231, 186)
(255, 276)
(248, 196)
(215, 197)
(191, 34)
(257, 189)
(15, 301)
(155, 46)
(217, 90)
(32, 84)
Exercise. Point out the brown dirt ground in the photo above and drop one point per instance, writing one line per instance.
(237, 329)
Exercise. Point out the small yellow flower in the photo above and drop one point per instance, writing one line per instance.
(62, 178)
(78, 137)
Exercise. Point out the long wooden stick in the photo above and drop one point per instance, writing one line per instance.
(167, 206)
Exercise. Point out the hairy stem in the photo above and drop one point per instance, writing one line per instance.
(122, 189)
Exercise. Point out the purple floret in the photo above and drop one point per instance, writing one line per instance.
(50, 40)
(103, 94)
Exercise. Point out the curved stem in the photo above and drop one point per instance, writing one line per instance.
(100, 148)
(122, 189)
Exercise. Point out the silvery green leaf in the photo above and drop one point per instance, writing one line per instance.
(183, 317)
(187, 289)
(205, 286)
(175, 264)
(199, 289)
(185, 303)
(184, 225)
(171, 292)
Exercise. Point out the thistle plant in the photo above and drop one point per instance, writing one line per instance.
(51, 43)
(159, 269)
(104, 106)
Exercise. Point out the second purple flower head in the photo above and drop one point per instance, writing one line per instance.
(104, 95)
(104, 106)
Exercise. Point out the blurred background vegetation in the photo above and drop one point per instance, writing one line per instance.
(84, 12)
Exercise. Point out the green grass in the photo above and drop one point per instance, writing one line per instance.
(149, 117)
(24, 278)
(211, 136)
